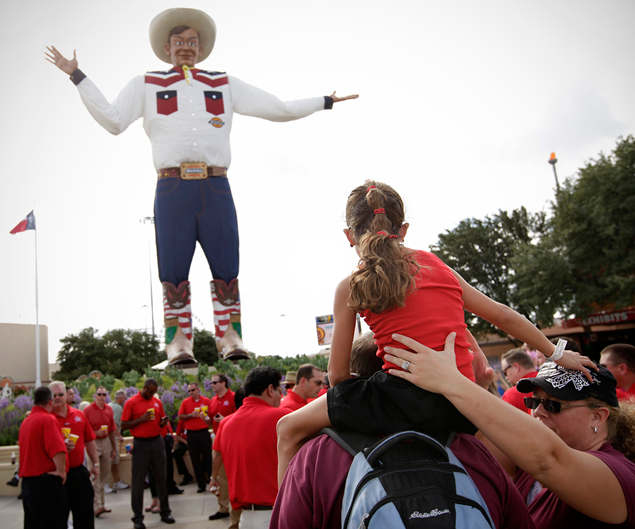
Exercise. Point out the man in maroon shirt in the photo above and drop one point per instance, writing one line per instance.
(43, 466)
(102, 421)
(143, 415)
(223, 404)
(308, 499)
(515, 365)
(194, 412)
(79, 435)
(310, 379)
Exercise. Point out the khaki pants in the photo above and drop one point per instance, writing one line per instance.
(223, 497)
(104, 449)
(234, 518)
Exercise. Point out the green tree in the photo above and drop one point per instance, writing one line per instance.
(114, 353)
(482, 252)
(205, 347)
(578, 260)
(595, 225)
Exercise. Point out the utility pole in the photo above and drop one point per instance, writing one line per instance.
(150, 220)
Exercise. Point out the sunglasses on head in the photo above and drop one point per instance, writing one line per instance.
(553, 406)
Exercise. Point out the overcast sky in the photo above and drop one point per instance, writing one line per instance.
(461, 104)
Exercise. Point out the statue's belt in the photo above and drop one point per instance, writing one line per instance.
(192, 171)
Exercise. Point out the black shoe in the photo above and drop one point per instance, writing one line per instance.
(201, 489)
(219, 515)
(166, 518)
(139, 525)
(175, 490)
(20, 496)
(187, 479)
(13, 482)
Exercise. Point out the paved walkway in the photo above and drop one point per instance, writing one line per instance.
(190, 510)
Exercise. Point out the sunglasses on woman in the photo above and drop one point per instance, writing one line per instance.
(553, 406)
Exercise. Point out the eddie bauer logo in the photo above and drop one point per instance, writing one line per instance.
(431, 514)
(216, 122)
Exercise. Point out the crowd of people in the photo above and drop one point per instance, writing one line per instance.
(78, 453)
(558, 449)
(572, 465)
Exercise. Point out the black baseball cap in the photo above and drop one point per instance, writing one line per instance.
(570, 384)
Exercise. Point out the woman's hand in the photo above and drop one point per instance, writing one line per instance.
(576, 361)
(432, 370)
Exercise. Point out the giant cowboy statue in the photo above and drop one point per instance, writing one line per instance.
(187, 114)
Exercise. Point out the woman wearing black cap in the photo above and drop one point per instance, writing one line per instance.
(577, 468)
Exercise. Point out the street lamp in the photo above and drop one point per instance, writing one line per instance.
(553, 161)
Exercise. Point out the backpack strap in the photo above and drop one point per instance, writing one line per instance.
(351, 441)
(450, 439)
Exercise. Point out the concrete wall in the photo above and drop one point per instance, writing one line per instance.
(17, 353)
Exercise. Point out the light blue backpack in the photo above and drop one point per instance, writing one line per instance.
(407, 479)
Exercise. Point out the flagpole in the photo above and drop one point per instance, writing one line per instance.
(38, 380)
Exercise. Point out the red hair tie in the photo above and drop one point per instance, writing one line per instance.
(382, 232)
(379, 210)
(370, 187)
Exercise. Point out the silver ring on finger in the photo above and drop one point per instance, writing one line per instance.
(405, 365)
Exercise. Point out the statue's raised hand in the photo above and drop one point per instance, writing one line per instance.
(55, 57)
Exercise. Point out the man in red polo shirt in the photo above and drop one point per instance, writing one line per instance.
(143, 415)
(223, 404)
(79, 435)
(517, 364)
(309, 382)
(43, 466)
(251, 461)
(194, 412)
(102, 421)
(619, 359)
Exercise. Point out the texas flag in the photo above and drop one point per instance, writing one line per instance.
(27, 223)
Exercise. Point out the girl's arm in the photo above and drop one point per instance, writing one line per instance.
(518, 326)
(578, 478)
(343, 332)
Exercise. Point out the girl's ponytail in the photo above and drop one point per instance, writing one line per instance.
(375, 213)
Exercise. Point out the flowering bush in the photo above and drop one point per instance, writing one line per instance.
(131, 392)
(11, 416)
(23, 403)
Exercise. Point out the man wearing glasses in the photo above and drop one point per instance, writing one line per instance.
(102, 421)
(310, 380)
(515, 365)
(223, 404)
(251, 461)
(194, 412)
(78, 434)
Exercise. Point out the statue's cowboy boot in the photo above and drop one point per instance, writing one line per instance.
(226, 301)
(178, 324)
